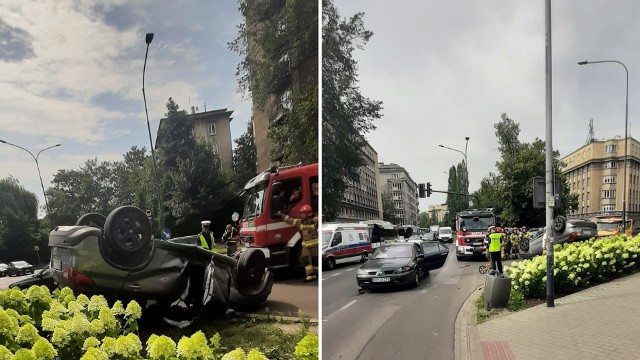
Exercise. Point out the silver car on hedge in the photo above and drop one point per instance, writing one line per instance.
(116, 256)
(570, 231)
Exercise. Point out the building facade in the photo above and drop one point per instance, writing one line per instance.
(214, 127)
(439, 211)
(395, 181)
(362, 200)
(595, 172)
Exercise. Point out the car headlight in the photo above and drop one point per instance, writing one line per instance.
(362, 272)
(403, 269)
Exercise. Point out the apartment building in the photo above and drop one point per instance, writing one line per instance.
(395, 181)
(595, 172)
(362, 200)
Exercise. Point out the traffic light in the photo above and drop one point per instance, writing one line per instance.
(428, 189)
(421, 191)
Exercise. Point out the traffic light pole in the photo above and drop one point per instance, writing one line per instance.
(457, 193)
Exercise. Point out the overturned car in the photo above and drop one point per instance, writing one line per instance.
(117, 257)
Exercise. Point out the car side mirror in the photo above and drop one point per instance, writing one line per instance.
(235, 216)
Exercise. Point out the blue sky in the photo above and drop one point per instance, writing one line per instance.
(72, 74)
(448, 69)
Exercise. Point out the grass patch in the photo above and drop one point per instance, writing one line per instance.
(482, 313)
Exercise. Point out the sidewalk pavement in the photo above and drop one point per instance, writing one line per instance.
(601, 322)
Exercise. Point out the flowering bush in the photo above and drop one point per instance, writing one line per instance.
(576, 265)
(38, 324)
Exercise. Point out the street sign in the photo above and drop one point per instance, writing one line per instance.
(540, 193)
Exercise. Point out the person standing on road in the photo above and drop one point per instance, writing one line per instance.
(308, 227)
(494, 250)
(230, 238)
(205, 238)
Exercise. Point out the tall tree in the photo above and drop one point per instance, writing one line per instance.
(388, 209)
(18, 219)
(457, 183)
(278, 41)
(424, 220)
(346, 114)
(245, 158)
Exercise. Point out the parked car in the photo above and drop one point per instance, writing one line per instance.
(42, 277)
(574, 230)
(4, 269)
(123, 261)
(17, 268)
(635, 231)
(399, 264)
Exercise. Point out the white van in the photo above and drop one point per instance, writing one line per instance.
(344, 242)
(445, 234)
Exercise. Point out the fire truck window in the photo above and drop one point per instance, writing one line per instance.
(290, 193)
(315, 189)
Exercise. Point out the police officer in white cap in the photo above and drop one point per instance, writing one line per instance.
(205, 238)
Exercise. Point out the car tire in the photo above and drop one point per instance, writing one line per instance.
(524, 245)
(416, 279)
(127, 229)
(92, 219)
(559, 224)
(251, 268)
(460, 258)
(331, 263)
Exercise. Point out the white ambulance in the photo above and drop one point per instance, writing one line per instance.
(344, 242)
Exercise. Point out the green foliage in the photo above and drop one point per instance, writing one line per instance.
(278, 41)
(86, 328)
(458, 183)
(18, 219)
(388, 208)
(245, 158)
(510, 191)
(577, 265)
(482, 313)
(346, 114)
(424, 220)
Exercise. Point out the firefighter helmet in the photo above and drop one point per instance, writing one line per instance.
(306, 209)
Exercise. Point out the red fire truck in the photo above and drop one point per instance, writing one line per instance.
(472, 226)
(284, 189)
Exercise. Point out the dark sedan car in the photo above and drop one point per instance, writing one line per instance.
(401, 264)
(42, 277)
(4, 269)
(124, 261)
(17, 268)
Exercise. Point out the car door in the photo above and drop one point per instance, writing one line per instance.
(420, 260)
(435, 255)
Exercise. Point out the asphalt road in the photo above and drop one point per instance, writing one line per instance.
(401, 323)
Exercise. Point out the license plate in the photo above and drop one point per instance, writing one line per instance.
(477, 243)
(384, 279)
(587, 232)
(57, 264)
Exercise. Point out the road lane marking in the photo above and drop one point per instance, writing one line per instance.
(350, 269)
(349, 304)
(336, 274)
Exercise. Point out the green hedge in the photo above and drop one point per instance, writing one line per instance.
(577, 265)
(35, 324)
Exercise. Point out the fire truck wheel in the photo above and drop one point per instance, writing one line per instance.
(92, 219)
(524, 244)
(127, 229)
(251, 268)
(559, 224)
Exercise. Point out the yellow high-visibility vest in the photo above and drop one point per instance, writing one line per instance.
(203, 241)
(494, 245)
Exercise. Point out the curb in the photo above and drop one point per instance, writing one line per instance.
(262, 317)
(466, 342)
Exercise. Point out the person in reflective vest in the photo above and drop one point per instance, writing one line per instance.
(494, 250)
(205, 238)
(230, 237)
(308, 227)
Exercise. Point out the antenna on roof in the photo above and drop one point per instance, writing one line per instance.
(590, 137)
(205, 107)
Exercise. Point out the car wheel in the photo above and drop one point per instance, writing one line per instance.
(127, 229)
(251, 268)
(559, 224)
(460, 258)
(331, 264)
(92, 219)
(524, 245)
(416, 279)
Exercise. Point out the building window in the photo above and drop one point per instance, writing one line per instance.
(610, 148)
(609, 179)
(610, 165)
(609, 194)
(212, 129)
(608, 207)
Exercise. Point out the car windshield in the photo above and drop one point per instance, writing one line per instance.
(393, 252)
(476, 223)
(326, 238)
(254, 202)
(445, 231)
(608, 226)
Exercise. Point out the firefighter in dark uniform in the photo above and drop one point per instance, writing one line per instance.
(231, 237)
(308, 227)
(205, 238)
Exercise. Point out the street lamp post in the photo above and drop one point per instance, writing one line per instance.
(35, 158)
(466, 163)
(148, 39)
(626, 140)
